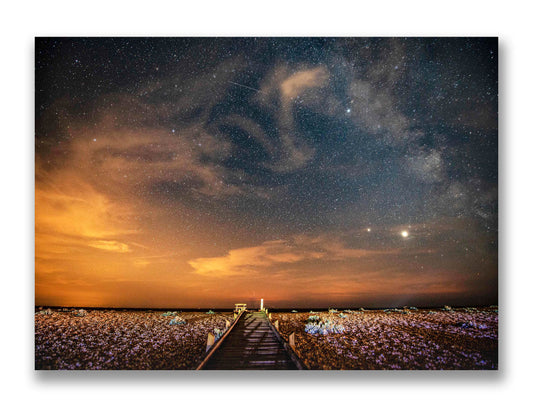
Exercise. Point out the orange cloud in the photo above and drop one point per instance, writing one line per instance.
(298, 82)
(278, 252)
(248, 259)
(71, 215)
(110, 245)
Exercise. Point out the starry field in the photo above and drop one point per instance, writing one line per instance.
(392, 339)
(66, 339)
(396, 339)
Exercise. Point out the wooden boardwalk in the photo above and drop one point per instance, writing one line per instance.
(251, 344)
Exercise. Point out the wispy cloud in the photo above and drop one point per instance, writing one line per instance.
(271, 254)
(66, 205)
(279, 93)
(110, 245)
(297, 83)
(249, 259)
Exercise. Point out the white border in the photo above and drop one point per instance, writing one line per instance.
(25, 19)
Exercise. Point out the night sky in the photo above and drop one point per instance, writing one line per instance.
(311, 172)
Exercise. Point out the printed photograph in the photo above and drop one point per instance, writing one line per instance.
(282, 203)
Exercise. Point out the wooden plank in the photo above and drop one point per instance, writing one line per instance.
(251, 345)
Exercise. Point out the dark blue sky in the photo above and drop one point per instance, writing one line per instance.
(353, 165)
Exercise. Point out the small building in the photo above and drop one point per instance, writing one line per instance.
(239, 308)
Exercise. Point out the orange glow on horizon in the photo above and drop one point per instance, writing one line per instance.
(91, 252)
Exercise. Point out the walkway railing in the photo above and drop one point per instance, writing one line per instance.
(289, 346)
(211, 348)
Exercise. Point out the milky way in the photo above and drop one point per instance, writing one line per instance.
(307, 171)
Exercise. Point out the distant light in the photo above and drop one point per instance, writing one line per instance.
(348, 110)
(405, 233)
(368, 229)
